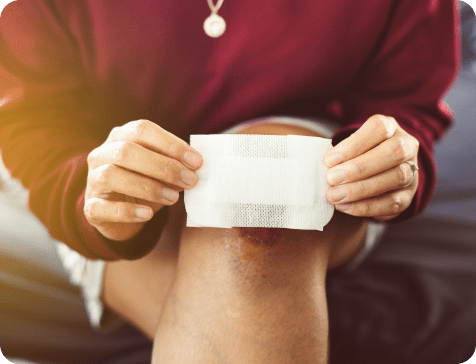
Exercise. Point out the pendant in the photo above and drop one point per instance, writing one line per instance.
(214, 26)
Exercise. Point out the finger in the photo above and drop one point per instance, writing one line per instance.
(392, 152)
(137, 158)
(153, 137)
(373, 132)
(392, 179)
(110, 178)
(385, 218)
(390, 204)
(98, 211)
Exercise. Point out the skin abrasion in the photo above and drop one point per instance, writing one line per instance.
(256, 244)
(259, 235)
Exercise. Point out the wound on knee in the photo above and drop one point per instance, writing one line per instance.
(259, 235)
(256, 242)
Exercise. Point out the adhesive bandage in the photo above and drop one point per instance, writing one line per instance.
(274, 181)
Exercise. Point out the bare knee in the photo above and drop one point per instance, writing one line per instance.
(273, 256)
(342, 238)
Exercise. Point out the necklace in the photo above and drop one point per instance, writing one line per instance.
(214, 25)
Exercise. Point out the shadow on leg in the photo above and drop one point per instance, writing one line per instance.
(254, 295)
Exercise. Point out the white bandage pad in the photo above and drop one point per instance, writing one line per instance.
(274, 181)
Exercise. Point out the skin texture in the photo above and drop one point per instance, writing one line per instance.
(368, 170)
(133, 174)
(253, 295)
(142, 167)
(137, 290)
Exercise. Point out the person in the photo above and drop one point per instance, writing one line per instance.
(72, 87)
(240, 294)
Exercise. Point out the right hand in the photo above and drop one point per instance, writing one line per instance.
(133, 174)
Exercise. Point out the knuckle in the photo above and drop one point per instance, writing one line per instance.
(170, 148)
(360, 170)
(383, 126)
(403, 174)
(92, 157)
(364, 208)
(90, 212)
(416, 143)
(90, 179)
(114, 132)
(121, 151)
(139, 127)
(150, 191)
(392, 123)
(396, 205)
(104, 174)
(168, 166)
(363, 189)
(401, 149)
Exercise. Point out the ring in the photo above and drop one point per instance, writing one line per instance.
(414, 168)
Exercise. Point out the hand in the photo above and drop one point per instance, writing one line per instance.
(133, 174)
(368, 173)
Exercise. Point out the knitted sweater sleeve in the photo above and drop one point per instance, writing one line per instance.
(47, 129)
(406, 77)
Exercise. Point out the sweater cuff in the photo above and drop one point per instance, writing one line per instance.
(426, 171)
(141, 244)
(99, 247)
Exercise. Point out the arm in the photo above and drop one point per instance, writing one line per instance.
(406, 77)
(47, 128)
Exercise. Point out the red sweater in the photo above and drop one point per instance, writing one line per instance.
(72, 70)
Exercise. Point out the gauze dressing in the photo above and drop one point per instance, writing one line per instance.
(273, 181)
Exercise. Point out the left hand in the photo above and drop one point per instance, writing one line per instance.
(368, 170)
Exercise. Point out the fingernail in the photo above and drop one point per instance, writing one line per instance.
(333, 159)
(188, 177)
(335, 176)
(344, 207)
(169, 194)
(193, 160)
(143, 213)
(337, 194)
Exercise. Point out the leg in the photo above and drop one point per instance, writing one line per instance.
(42, 315)
(246, 295)
(136, 290)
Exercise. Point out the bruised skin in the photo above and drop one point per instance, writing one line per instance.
(245, 296)
(260, 236)
(258, 252)
(254, 295)
(256, 242)
(346, 242)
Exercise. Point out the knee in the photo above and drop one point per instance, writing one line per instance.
(342, 237)
(256, 260)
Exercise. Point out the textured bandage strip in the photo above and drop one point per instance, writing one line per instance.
(275, 181)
